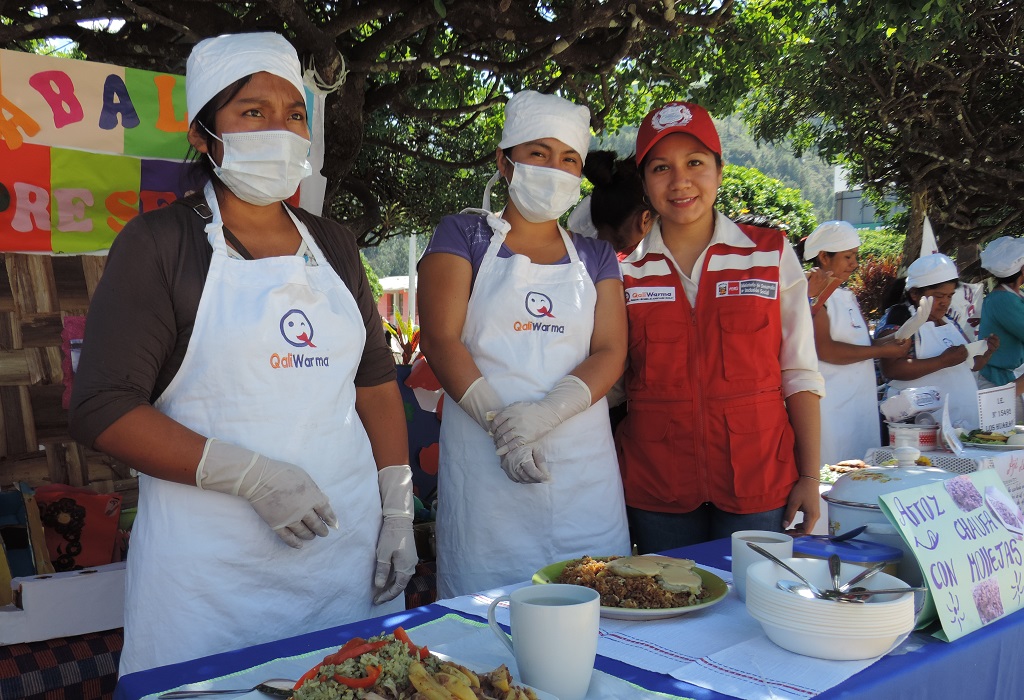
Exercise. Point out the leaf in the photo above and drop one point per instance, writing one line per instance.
(440, 8)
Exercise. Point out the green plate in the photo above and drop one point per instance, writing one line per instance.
(717, 588)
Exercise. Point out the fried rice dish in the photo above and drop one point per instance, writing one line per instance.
(653, 585)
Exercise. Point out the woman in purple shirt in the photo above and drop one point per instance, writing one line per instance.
(508, 305)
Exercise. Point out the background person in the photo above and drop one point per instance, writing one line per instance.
(939, 357)
(191, 374)
(1002, 315)
(722, 380)
(849, 410)
(508, 306)
(616, 211)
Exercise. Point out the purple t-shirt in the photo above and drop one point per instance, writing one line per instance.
(469, 236)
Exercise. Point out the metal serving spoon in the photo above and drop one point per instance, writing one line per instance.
(768, 555)
(861, 576)
(802, 589)
(834, 566)
(281, 687)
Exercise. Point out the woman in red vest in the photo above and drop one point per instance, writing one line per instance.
(723, 385)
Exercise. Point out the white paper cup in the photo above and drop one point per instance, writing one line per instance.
(554, 636)
(778, 543)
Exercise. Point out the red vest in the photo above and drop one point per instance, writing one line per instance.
(707, 421)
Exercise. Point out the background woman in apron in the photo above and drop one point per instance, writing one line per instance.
(508, 302)
(849, 410)
(234, 359)
(940, 357)
(1002, 314)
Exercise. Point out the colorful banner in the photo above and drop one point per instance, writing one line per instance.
(966, 533)
(86, 146)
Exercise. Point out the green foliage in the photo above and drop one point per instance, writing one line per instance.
(880, 243)
(372, 277)
(748, 191)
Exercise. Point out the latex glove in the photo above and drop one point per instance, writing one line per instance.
(526, 422)
(525, 465)
(284, 495)
(396, 546)
(481, 402)
(920, 317)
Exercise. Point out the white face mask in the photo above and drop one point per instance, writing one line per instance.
(543, 194)
(263, 167)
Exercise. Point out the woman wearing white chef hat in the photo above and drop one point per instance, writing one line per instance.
(940, 356)
(1002, 314)
(849, 410)
(508, 303)
(234, 357)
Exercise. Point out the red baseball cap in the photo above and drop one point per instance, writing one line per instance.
(676, 118)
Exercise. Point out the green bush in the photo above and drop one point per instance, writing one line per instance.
(880, 243)
(749, 191)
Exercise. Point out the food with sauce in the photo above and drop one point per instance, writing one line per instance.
(647, 582)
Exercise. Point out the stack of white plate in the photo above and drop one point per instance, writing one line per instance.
(828, 629)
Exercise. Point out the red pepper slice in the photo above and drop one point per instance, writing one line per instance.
(403, 636)
(372, 674)
(352, 649)
(424, 653)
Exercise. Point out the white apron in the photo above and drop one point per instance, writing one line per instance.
(205, 572)
(527, 326)
(849, 411)
(957, 382)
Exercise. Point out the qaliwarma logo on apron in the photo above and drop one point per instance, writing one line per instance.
(540, 306)
(297, 331)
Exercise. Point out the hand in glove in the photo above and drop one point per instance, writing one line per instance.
(525, 465)
(396, 547)
(526, 422)
(284, 495)
(481, 401)
(914, 323)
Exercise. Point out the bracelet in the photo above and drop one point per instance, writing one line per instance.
(804, 476)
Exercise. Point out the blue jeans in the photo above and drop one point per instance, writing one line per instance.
(656, 532)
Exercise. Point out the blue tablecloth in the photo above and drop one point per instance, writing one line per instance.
(984, 664)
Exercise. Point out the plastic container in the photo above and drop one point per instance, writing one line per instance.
(923, 437)
(858, 552)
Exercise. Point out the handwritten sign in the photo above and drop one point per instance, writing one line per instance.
(996, 409)
(86, 146)
(967, 535)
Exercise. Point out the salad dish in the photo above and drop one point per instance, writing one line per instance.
(391, 667)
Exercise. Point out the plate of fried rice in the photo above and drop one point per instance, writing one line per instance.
(636, 597)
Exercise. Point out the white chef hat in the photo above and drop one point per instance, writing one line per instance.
(1004, 256)
(831, 237)
(580, 220)
(931, 269)
(219, 61)
(531, 115)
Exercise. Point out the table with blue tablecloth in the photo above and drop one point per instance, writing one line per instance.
(984, 664)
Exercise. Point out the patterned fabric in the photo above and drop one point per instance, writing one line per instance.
(72, 668)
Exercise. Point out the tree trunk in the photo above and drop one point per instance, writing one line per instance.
(912, 242)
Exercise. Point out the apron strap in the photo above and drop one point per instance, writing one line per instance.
(236, 244)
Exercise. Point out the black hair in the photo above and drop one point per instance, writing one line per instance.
(897, 292)
(618, 191)
(200, 168)
(1008, 281)
(800, 246)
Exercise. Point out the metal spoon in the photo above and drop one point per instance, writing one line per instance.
(802, 589)
(768, 555)
(863, 575)
(281, 687)
(834, 565)
(849, 535)
(861, 592)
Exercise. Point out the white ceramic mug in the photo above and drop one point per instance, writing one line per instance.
(778, 543)
(554, 636)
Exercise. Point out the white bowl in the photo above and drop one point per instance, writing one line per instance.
(823, 628)
(830, 645)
